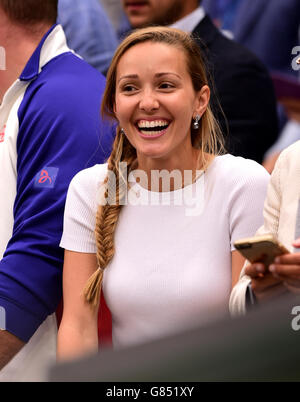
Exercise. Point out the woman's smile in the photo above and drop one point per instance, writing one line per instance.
(151, 129)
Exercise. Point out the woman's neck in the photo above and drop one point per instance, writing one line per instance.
(158, 174)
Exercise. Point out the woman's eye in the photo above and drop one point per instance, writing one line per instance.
(128, 88)
(166, 85)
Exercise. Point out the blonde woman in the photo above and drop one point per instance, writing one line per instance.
(163, 256)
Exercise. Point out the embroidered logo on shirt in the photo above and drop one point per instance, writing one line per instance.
(46, 177)
(2, 134)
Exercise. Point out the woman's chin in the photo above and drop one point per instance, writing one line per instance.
(151, 152)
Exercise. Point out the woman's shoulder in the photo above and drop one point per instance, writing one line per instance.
(90, 178)
(235, 168)
(240, 182)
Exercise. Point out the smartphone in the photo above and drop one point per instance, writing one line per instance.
(262, 249)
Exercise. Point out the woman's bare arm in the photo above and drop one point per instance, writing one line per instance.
(78, 331)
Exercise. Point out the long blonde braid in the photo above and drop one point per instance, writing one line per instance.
(108, 214)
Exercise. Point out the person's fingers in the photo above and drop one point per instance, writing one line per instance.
(279, 270)
(255, 270)
(293, 259)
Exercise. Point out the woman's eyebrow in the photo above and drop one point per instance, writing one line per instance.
(158, 75)
(167, 73)
(132, 76)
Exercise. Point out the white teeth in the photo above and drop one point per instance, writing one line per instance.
(152, 124)
(149, 133)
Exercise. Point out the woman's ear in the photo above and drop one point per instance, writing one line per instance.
(202, 100)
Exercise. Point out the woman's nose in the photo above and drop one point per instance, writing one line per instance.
(149, 101)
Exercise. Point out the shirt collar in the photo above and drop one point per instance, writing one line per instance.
(52, 44)
(189, 23)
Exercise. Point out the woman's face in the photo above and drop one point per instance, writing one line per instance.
(155, 100)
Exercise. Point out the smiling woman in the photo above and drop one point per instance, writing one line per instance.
(149, 105)
(140, 94)
(161, 267)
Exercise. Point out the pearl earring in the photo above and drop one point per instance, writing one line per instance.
(196, 122)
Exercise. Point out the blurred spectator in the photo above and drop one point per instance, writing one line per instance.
(223, 12)
(89, 32)
(243, 85)
(270, 30)
(259, 25)
(117, 16)
(289, 135)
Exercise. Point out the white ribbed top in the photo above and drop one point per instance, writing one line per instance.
(172, 266)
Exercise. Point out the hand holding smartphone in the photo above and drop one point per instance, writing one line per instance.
(262, 249)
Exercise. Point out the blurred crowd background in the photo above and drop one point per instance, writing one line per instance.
(269, 29)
